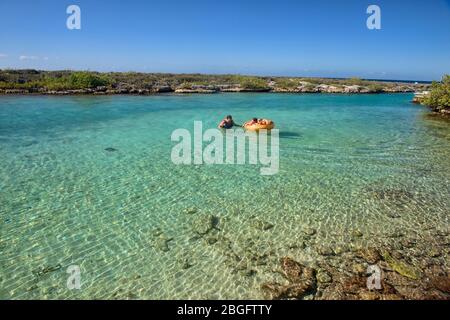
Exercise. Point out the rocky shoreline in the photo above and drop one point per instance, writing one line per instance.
(121, 90)
(420, 98)
(67, 82)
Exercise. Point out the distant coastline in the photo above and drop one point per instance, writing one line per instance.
(392, 80)
(95, 83)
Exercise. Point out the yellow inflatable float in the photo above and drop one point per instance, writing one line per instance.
(259, 124)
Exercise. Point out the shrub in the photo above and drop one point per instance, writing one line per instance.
(287, 83)
(83, 80)
(253, 83)
(375, 87)
(439, 97)
(355, 81)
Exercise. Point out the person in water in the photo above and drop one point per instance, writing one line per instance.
(227, 123)
(253, 121)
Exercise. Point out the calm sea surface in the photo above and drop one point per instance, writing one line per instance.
(355, 170)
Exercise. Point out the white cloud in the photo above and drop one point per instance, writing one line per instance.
(28, 58)
(2, 55)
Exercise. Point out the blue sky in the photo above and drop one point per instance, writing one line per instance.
(294, 38)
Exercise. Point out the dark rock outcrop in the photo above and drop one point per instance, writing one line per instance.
(301, 281)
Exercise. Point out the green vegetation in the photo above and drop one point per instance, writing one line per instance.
(401, 267)
(82, 80)
(439, 97)
(253, 83)
(36, 81)
(287, 83)
(64, 80)
(309, 87)
(356, 81)
(375, 87)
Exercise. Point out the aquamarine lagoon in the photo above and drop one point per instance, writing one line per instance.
(89, 181)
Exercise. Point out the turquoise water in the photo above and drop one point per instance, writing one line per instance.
(129, 218)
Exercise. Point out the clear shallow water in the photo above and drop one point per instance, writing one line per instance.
(372, 163)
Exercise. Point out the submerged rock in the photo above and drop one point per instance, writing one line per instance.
(298, 245)
(157, 232)
(211, 240)
(323, 277)
(408, 243)
(325, 251)
(309, 231)
(441, 283)
(291, 291)
(162, 244)
(160, 241)
(260, 260)
(302, 281)
(357, 233)
(339, 250)
(434, 253)
(391, 296)
(291, 269)
(359, 268)
(205, 223)
(190, 210)
(370, 255)
(353, 285)
(393, 195)
(368, 295)
(355, 288)
(185, 263)
(262, 225)
(250, 273)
